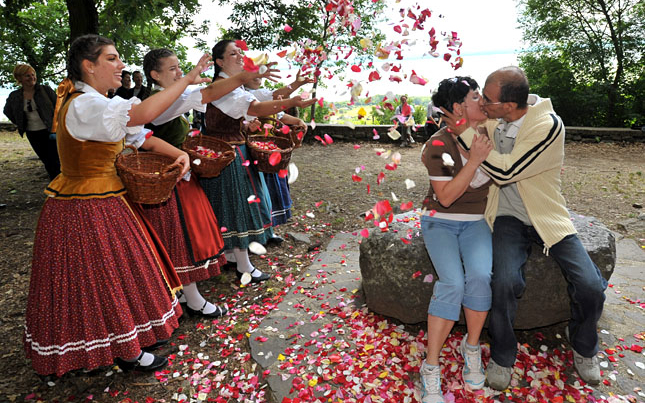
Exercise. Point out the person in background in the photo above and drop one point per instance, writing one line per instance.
(139, 90)
(31, 108)
(457, 238)
(432, 120)
(124, 91)
(403, 116)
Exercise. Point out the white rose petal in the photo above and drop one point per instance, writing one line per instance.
(447, 160)
(409, 184)
(246, 277)
(257, 248)
(197, 161)
(293, 173)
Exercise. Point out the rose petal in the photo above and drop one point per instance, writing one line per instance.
(293, 173)
(257, 248)
(275, 158)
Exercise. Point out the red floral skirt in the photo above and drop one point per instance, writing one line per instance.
(189, 231)
(97, 287)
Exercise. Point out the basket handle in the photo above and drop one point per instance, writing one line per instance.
(170, 167)
(133, 148)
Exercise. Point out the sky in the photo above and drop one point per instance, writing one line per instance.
(490, 39)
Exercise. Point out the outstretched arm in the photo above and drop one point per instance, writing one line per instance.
(153, 106)
(219, 88)
(285, 92)
(270, 107)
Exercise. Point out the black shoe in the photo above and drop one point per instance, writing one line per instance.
(219, 311)
(156, 346)
(275, 240)
(259, 279)
(158, 363)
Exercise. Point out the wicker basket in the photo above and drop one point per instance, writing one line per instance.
(262, 156)
(292, 134)
(208, 167)
(149, 177)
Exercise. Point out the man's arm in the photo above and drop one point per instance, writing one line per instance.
(540, 150)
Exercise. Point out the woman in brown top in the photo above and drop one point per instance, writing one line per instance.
(457, 237)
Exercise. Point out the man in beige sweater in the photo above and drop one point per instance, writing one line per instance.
(525, 206)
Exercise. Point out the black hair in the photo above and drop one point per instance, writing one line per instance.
(514, 86)
(126, 72)
(152, 61)
(135, 72)
(86, 47)
(218, 53)
(453, 90)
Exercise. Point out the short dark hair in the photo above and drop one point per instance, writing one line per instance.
(136, 72)
(218, 53)
(86, 47)
(125, 72)
(514, 86)
(152, 61)
(453, 90)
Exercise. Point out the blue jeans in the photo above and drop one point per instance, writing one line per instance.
(448, 242)
(512, 242)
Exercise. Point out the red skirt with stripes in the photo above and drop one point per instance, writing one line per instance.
(189, 231)
(98, 289)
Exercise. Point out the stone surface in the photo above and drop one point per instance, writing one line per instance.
(392, 288)
(299, 237)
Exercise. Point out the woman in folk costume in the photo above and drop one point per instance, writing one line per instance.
(237, 196)
(278, 187)
(186, 222)
(100, 289)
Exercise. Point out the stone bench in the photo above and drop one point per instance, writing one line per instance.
(388, 268)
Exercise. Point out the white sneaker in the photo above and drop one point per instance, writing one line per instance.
(431, 383)
(588, 368)
(473, 372)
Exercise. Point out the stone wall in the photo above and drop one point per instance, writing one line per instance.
(365, 133)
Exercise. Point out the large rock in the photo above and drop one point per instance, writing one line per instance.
(391, 287)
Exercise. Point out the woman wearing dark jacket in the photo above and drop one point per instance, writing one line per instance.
(31, 108)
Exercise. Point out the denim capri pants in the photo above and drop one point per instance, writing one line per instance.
(449, 243)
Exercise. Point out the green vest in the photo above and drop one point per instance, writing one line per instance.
(173, 132)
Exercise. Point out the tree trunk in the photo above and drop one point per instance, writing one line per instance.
(83, 18)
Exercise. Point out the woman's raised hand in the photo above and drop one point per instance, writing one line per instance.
(203, 64)
(302, 103)
(456, 124)
(300, 81)
(270, 73)
(480, 148)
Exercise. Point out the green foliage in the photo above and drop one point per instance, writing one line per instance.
(35, 33)
(261, 24)
(586, 55)
(38, 32)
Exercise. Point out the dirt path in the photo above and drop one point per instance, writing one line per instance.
(603, 180)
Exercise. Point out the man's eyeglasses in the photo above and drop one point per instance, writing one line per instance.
(29, 107)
